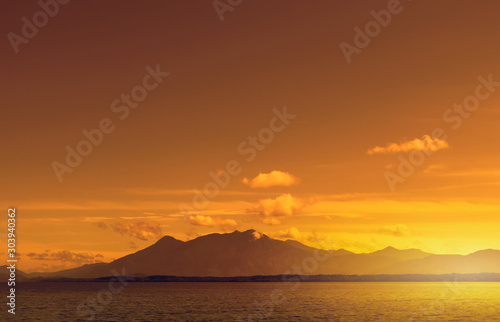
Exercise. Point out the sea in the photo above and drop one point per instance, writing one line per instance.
(230, 301)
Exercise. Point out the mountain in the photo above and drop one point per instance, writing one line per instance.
(5, 275)
(251, 253)
(332, 252)
(484, 261)
(405, 254)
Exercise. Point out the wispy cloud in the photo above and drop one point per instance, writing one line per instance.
(274, 178)
(435, 168)
(67, 256)
(398, 230)
(177, 193)
(472, 173)
(207, 221)
(427, 143)
(140, 230)
(313, 239)
(99, 205)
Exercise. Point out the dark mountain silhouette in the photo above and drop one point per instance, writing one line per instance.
(405, 254)
(478, 262)
(249, 253)
(332, 252)
(5, 274)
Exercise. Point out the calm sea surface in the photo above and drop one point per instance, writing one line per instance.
(462, 301)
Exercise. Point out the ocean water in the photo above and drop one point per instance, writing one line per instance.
(368, 301)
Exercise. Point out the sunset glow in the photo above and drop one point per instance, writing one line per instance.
(147, 123)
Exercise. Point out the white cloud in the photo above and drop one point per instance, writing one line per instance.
(427, 143)
(290, 233)
(273, 211)
(274, 178)
(207, 221)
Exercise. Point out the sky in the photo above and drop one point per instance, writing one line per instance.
(341, 124)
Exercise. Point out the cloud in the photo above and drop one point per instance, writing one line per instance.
(44, 267)
(335, 216)
(290, 233)
(275, 178)
(312, 239)
(67, 256)
(435, 168)
(399, 230)
(101, 225)
(140, 230)
(442, 171)
(273, 211)
(96, 219)
(427, 143)
(256, 235)
(271, 221)
(207, 221)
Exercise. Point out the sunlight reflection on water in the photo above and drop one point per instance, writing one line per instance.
(371, 301)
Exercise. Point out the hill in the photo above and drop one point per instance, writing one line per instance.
(250, 253)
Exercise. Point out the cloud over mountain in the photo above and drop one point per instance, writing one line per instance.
(207, 221)
(67, 256)
(274, 178)
(274, 210)
(251, 253)
(141, 230)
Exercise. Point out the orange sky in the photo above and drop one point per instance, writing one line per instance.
(227, 81)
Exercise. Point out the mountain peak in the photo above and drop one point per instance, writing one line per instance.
(486, 252)
(403, 254)
(246, 232)
(251, 233)
(236, 237)
(167, 238)
(163, 244)
(386, 251)
(250, 253)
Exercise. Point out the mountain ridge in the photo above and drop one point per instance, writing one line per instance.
(250, 253)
